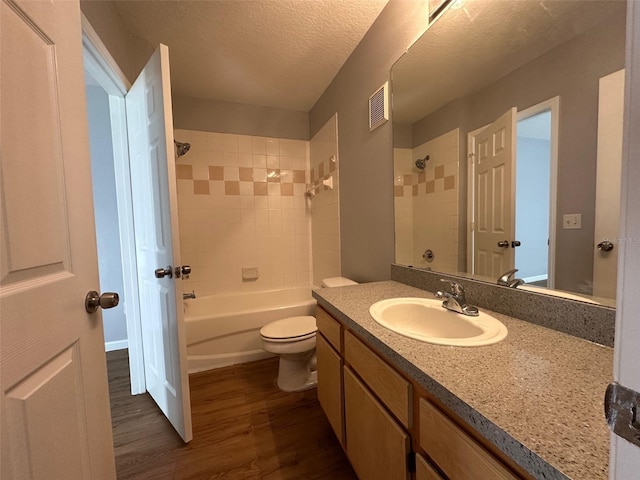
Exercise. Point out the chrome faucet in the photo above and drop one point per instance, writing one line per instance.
(191, 294)
(507, 279)
(456, 300)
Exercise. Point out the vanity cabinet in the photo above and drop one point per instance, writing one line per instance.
(454, 451)
(370, 408)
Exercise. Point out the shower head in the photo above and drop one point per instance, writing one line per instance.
(421, 163)
(182, 148)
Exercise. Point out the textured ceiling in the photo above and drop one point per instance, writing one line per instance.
(476, 42)
(274, 53)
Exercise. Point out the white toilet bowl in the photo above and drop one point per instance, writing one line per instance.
(294, 340)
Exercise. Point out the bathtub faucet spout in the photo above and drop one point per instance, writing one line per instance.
(186, 296)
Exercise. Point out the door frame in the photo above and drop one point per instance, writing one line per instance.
(553, 104)
(99, 62)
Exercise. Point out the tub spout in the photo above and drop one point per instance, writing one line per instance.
(191, 294)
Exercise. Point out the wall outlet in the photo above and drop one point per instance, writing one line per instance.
(572, 221)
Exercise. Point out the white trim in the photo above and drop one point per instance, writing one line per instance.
(471, 191)
(535, 278)
(115, 345)
(553, 104)
(96, 50)
(99, 63)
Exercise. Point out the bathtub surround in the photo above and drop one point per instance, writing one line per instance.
(595, 323)
(325, 202)
(242, 203)
(426, 203)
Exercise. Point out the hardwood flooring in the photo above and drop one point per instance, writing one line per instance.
(243, 428)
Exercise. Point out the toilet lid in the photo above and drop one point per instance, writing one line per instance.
(290, 328)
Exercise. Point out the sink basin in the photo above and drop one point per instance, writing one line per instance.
(427, 320)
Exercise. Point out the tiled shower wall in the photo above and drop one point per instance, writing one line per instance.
(325, 202)
(426, 205)
(242, 204)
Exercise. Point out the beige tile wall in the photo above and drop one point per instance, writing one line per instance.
(325, 202)
(242, 203)
(427, 203)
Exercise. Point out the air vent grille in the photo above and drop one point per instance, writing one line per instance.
(379, 107)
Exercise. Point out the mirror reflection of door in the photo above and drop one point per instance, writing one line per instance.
(513, 189)
(494, 210)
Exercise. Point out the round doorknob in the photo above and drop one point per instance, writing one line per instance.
(93, 300)
(163, 272)
(503, 244)
(515, 243)
(605, 246)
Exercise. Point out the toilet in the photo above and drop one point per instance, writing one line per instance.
(294, 340)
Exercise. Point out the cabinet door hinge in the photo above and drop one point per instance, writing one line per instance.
(622, 409)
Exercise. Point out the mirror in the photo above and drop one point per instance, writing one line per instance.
(507, 120)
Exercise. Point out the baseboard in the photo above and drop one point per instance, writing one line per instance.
(201, 363)
(117, 345)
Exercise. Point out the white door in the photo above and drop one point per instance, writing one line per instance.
(155, 206)
(625, 456)
(55, 400)
(609, 161)
(494, 197)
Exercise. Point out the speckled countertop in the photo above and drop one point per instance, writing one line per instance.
(537, 395)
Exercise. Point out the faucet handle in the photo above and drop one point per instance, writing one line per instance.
(456, 288)
(506, 277)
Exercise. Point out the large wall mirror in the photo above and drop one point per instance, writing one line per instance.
(507, 121)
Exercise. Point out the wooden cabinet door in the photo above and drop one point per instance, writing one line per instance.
(376, 445)
(424, 471)
(330, 385)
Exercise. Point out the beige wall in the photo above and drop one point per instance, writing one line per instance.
(215, 116)
(130, 53)
(366, 158)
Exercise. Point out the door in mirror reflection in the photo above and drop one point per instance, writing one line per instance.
(494, 212)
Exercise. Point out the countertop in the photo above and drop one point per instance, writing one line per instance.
(537, 395)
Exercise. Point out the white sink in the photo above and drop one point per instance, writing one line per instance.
(427, 320)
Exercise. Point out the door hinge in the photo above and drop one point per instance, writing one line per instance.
(622, 409)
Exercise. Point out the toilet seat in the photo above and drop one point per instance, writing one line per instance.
(291, 329)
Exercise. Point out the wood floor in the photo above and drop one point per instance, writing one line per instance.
(243, 428)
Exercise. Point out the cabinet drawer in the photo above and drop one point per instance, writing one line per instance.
(376, 445)
(330, 385)
(454, 451)
(329, 327)
(394, 391)
(424, 471)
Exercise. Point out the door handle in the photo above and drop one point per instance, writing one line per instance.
(605, 246)
(503, 244)
(164, 272)
(93, 300)
(515, 243)
(184, 271)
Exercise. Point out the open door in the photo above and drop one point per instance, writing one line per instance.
(494, 203)
(155, 207)
(55, 400)
(608, 176)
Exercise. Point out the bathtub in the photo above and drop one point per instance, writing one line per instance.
(225, 329)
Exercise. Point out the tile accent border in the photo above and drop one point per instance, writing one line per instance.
(595, 323)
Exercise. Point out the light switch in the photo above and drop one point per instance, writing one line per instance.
(572, 221)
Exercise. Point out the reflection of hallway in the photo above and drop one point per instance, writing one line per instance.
(243, 428)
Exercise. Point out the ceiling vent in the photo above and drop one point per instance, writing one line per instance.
(379, 107)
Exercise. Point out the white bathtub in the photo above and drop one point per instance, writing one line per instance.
(225, 329)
